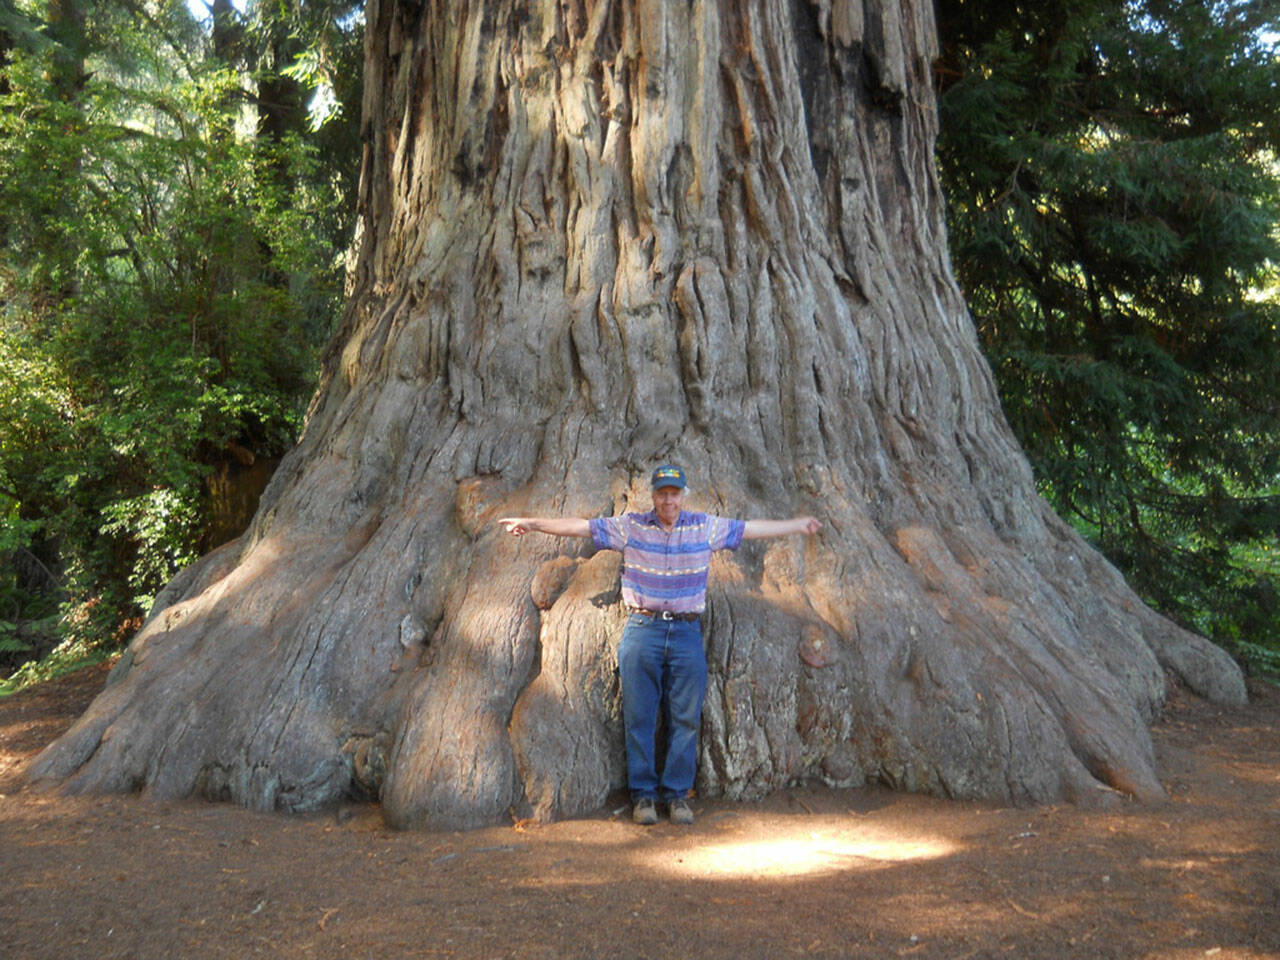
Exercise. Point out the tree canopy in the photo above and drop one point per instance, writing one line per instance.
(1112, 175)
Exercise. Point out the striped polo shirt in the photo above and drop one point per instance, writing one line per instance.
(666, 570)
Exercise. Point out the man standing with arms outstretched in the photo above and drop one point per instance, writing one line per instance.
(666, 553)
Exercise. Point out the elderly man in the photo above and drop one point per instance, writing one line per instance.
(666, 553)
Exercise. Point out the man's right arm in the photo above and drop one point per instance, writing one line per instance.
(555, 526)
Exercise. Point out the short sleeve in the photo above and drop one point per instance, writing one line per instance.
(607, 533)
(725, 534)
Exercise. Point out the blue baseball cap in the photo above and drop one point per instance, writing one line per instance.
(668, 475)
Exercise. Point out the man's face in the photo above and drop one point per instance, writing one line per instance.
(667, 502)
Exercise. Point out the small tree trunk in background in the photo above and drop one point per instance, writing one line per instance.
(66, 28)
(232, 491)
(597, 236)
(227, 32)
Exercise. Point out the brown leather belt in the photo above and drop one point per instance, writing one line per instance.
(665, 614)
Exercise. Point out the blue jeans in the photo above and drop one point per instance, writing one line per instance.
(662, 667)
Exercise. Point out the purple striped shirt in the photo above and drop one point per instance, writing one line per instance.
(666, 570)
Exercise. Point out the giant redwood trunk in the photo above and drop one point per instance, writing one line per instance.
(598, 235)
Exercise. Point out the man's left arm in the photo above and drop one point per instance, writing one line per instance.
(762, 529)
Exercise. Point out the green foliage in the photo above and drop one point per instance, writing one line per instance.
(1113, 186)
(168, 273)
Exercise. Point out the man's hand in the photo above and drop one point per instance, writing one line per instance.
(556, 526)
(808, 525)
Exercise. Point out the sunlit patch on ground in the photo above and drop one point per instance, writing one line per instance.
(802, 854)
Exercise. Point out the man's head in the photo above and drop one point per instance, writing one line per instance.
(668, 483)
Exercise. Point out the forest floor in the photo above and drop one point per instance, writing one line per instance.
(809, 873)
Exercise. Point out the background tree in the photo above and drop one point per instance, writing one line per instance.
(168, 272)
(1111, 170)
(595, 236)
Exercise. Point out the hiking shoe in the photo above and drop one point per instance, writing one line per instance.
(680, 811)
(645, 812)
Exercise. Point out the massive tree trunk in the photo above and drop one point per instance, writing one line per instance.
(596, 236)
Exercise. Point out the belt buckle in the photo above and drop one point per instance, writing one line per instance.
(666, 615)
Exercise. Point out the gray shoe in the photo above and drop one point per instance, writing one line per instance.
(680, 811)
(645, 812)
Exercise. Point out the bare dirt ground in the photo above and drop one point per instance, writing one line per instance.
(810, 873)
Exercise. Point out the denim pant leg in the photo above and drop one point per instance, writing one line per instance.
(662, 667)
(640, 656)
(685, 684)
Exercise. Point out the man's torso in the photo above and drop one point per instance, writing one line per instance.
(666, 570)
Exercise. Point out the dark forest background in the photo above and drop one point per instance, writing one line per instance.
(177, 200)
